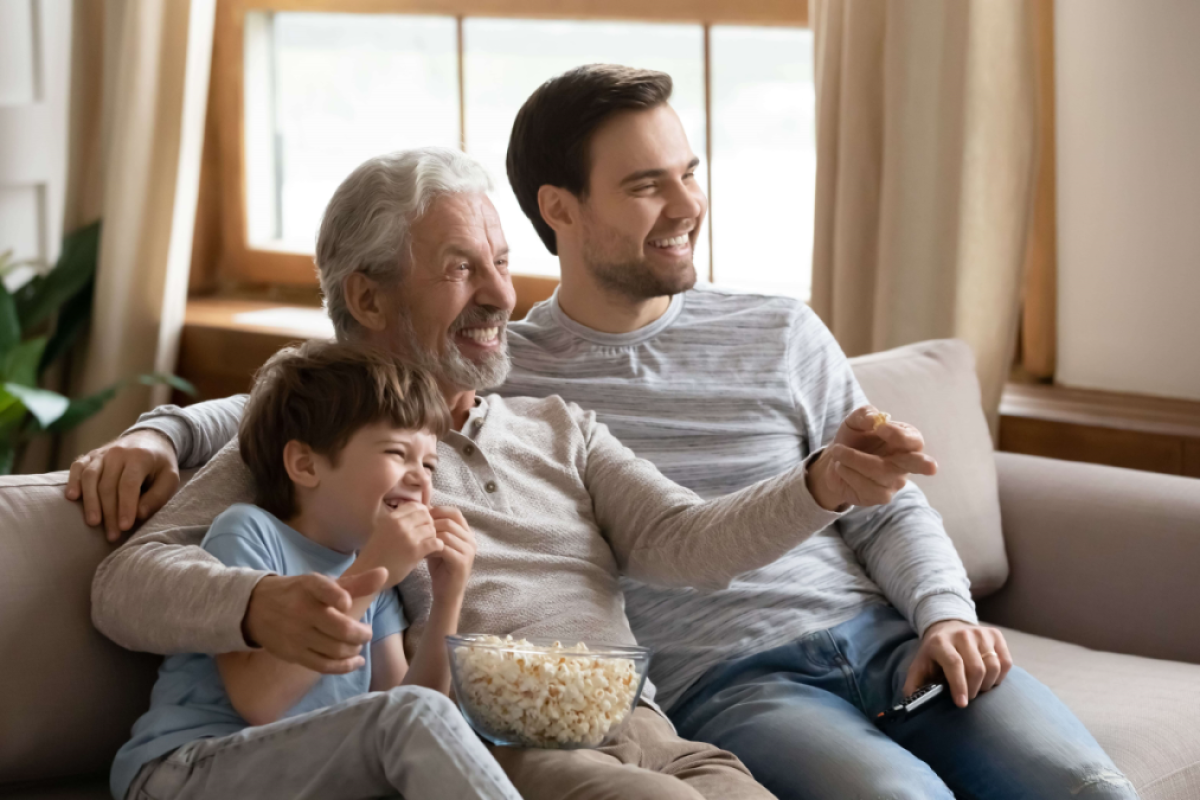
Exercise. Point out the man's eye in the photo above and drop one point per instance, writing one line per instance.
(691, 175)
(644, 187)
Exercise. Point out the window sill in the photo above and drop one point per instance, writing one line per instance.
(1122, 430)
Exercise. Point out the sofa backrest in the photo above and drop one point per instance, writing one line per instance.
(933, 386)
(68, 696)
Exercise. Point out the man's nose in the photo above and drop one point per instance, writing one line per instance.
(685, 202)
(494, 288)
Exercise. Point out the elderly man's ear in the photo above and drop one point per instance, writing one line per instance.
(365, 301)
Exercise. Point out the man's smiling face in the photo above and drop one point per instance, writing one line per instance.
(643, 209)
(450, 312)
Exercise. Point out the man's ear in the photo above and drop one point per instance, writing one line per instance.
(301, 464)
(365, 301)
(559, 208)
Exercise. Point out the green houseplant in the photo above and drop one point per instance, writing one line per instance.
(39, 321)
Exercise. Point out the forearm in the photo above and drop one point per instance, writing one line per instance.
(199, 431)
(160, 592)
(262, 687)
(430, 665)
(664, 534)
(907, 552)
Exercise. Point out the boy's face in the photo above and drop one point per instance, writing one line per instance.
(381, 465)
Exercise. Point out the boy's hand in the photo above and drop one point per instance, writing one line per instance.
(399, 541)
(868, 461)
(450, 568)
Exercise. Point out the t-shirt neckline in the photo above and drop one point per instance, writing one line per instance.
(642, 334)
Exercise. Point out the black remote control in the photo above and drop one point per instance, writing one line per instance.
(915, 702)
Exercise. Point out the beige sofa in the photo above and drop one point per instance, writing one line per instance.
(1091, 570)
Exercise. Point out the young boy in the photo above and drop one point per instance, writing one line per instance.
(342, 443)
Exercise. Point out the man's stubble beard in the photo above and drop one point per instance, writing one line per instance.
(618, 267)
(454, 368)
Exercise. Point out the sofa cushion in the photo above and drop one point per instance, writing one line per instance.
(69, 695)
(1142, 711)
(932, 385)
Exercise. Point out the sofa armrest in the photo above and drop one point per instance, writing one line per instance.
(1100, 556)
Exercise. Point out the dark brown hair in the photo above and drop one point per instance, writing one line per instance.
(553, 130)
(321, 393)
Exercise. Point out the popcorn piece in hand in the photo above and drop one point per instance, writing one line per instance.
(879, 419)
(546, 696)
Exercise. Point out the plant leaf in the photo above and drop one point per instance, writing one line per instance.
(74, 269)
(7, 455)
(71, 321)
(174, 381)
(46, 406)
(21, 364)
(10, 322)
(84, 407)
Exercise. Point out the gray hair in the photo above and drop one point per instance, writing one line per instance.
(367, 223)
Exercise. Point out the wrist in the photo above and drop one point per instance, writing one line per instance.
(816, 479)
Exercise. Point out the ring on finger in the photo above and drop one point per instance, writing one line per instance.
(989, 653)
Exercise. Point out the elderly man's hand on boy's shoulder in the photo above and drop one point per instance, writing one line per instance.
(109, 480)
(868, 461)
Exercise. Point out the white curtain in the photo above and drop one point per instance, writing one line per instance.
(926, 131)
(139, 95)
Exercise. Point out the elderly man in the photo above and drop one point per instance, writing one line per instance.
(412, 258)
(790, 665)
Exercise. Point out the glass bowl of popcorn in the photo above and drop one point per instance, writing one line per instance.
(540, 693)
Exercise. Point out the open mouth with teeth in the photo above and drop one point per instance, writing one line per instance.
(487, 338)
(680, 243)
(393, 501)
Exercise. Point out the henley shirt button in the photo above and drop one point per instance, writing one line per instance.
(469, 450)
(490, 486)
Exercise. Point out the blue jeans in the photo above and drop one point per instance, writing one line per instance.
(801, 718)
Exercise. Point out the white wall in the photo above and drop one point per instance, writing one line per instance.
(1128, 86)
(35, 40)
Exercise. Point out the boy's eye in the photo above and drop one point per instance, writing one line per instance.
(431, 467)
(395, 452)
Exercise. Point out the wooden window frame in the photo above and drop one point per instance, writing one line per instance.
(222, 253)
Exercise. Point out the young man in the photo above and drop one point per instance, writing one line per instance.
(790, 665)
(343, 494)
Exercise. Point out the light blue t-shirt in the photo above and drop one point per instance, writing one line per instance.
(189, 700)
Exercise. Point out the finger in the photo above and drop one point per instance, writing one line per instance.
(364, 584)
(1006, 659)
(107, 491)
(431, 546)
(952, 667)
(161, 490)
(878, 470)
(901, 437)
(129, 489)
(340, 627)
(919, 673)
(862, 419)
(448, 512)
(973, 666)
(328, 666)
(328, 647)
(325, 592)
(863, 491)
(90, 481)
(991, 667)
(74, 484)
(913, 463)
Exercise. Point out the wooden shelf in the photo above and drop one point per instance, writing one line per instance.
(1135, 431)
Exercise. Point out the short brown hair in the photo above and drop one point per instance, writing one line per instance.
(321, 394)
(553, 130)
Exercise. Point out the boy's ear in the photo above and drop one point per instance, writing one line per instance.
(559, 208)
(301, 464)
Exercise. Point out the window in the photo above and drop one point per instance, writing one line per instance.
(319, 92)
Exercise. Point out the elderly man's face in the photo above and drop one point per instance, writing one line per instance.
(452, 307)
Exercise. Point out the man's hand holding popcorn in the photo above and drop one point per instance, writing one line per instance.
(868, 461)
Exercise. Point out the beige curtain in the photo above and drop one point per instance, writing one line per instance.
(139, 89)
(926, 122)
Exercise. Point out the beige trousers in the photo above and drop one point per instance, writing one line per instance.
(647, 762)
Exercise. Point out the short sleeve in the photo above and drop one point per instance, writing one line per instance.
(389, 617)
(238, 538)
